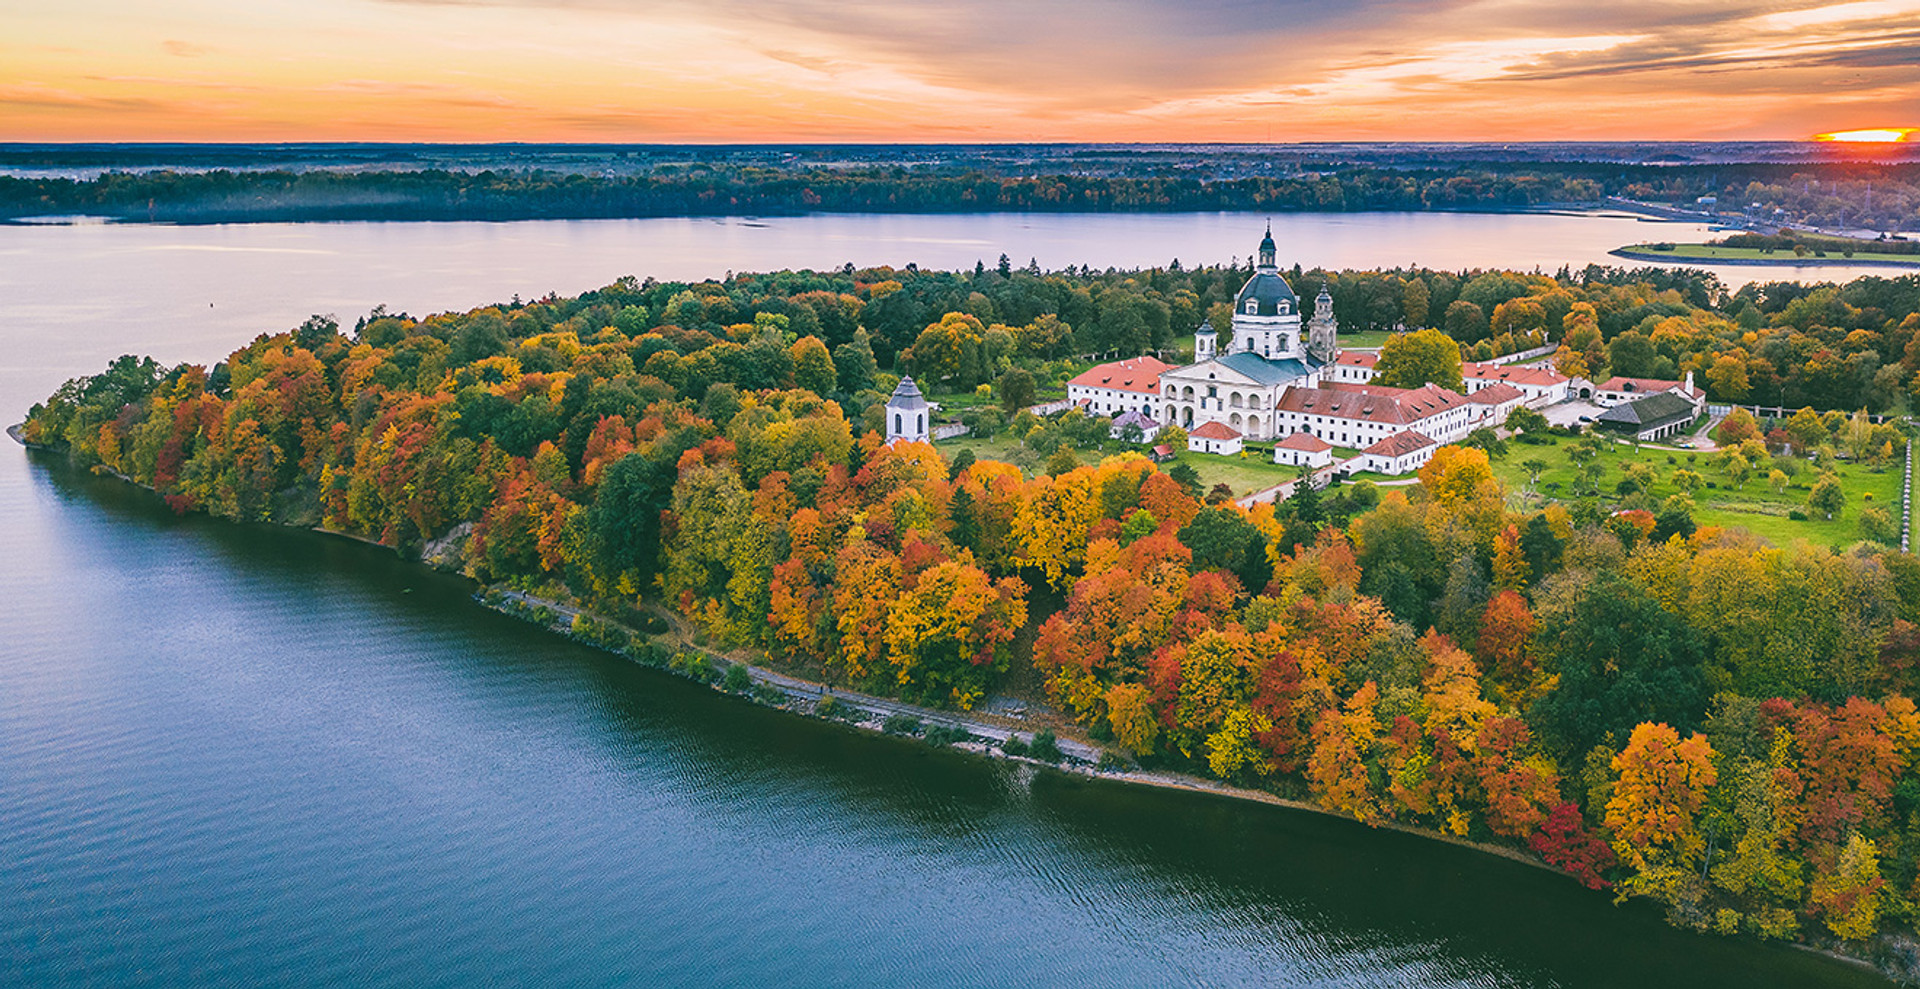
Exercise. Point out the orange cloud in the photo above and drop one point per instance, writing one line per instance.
(840, 70)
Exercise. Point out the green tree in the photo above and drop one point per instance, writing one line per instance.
(1015, 389)
(854, 364)
(1410, 360)
(1414, 304)
(1225, 539)
(813, 367)
(1827, 498)
(1465, 321)
(1622, 659)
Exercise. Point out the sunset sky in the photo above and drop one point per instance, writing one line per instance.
(960, 70)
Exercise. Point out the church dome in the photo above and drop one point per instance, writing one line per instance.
(1269, 293)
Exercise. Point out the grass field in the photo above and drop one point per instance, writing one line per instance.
(1755, 506)
(1718, 252)
(1247, 474)
(1365, 341)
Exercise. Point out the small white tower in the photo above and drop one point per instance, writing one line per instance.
(907, 412)
(1205, 341)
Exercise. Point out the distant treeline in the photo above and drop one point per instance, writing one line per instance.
(225, 196)
(1787, 241)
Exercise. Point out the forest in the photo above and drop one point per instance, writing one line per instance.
(1885, 197)
(1667, 708)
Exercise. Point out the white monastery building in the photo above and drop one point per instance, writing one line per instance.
(1268, 350)
(1277, 375)
(1619, 391)
(1303, 450)
(1122, 386)
(1216, 437)
(1401, 453)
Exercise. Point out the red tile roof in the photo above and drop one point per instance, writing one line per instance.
(1494, 394)
(1135, 374)
(1357, 358)
(1539, 377)
(1648, 386)
(1305, 441)
(1215, 431)
(1371, 403)
(1399, 444)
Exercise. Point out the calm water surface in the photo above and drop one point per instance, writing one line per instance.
(240, 756)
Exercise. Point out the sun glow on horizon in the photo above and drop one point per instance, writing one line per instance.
(1875, 135)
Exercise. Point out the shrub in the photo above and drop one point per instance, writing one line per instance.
(1044, 747)
(737, 680)
(946, 735)
(902, 724)
(697, 666)
(769, 694)
(1013, 746)
(648, 654)
(1796, 515)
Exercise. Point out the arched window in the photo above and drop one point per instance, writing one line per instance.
(920, 423)
(1253, 306)
(897, 428)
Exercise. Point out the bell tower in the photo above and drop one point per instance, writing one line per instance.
(1322, 330)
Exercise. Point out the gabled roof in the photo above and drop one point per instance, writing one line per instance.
(1654, 410)
(1538, 377)
(1306, 442)
(1647, 386)
(1495, 394)
(1399, 444)
(1135, 374)
(1133, 417)
(1215, 431)
(1371, 403)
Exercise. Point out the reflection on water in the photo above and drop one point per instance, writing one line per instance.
(234, 755)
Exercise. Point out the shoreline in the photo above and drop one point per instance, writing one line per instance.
(1675, 258)
(985, 733)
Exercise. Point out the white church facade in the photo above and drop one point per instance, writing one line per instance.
(1269, 348)
(1278, 375)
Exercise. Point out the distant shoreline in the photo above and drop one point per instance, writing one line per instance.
(1676, 257)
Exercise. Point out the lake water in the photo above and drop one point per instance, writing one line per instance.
(242, 756)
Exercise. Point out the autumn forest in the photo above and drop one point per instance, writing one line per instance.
(1654, 705)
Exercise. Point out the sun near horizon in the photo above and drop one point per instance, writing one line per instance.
(1871, 135)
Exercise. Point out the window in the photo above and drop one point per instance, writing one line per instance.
(897, 428)
(1253, 306)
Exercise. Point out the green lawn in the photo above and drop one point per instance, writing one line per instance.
(1719, 252)
(1754, 506)
(1372, 340)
